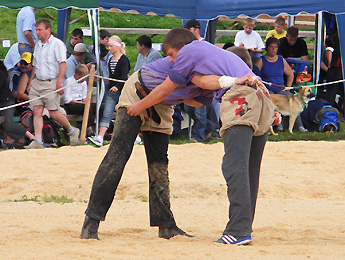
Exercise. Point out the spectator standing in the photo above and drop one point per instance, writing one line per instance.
(202, 126)
(49, 69)
(278, 31)
(104, 36)
(146, 53)
(12, 57)
(26, 30)
(292, 46)
(78, 54)
(250, 39)
(119, 67)
(334, 71)
(77, 36)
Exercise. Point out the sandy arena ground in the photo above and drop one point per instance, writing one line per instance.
(300, 210)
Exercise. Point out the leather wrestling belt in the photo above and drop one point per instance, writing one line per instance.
(142, 92)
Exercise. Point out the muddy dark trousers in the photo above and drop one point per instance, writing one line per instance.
(241, 170)
(110, 171)
(156, 148)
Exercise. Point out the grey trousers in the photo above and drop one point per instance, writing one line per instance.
(241, 170)
(110, 171)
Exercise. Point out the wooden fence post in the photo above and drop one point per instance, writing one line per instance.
(87, 105)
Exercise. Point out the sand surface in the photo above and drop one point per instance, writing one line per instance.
(300, 209)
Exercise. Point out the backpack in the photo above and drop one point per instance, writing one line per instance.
(50, 132)
(328, 119)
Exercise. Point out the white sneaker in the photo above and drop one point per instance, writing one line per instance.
(34, 145)
(74, 137)
(137, 140)
(95, 140)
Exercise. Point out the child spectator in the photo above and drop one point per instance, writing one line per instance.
(74, 96)
(278, 31)
(250, 39)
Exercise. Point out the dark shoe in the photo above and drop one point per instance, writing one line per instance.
(231, 240)
(90, 228)
(167, 233)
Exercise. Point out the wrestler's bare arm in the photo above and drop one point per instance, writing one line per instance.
(156, 96)
(212, 81)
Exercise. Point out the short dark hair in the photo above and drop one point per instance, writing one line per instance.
(78, 32)
(177, 38)
(292, 31)
(192, 24)
(146, 40)
(47, 24)
(280, 20)
(272, 40)
(104, 34)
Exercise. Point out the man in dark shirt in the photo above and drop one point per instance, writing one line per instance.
(292, 46)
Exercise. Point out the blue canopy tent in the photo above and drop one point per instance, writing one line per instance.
(206, 10)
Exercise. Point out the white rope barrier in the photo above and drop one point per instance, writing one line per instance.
(310, 86)
(116, 80)
(123, 81)
(57, 90)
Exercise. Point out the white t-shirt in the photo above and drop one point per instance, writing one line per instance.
(250, 41)
(77, 91)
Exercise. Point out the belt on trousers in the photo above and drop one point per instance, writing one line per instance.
(142, 92)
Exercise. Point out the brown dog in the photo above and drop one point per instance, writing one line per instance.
(291, 106)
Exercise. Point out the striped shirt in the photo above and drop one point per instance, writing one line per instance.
(47, 58)
(112, 65)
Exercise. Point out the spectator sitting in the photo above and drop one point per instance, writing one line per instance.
(250, 39)
(14, 130)
(78, 54)
(272, 68)
(292, 46)
(19, 77)
(77, 37)
(74, 96)
(119, 67)
(278, 31)
(146, 53)
(12, 57)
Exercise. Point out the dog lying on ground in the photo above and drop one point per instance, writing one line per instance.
(291, 106)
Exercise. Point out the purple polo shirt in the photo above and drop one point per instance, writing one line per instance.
(154, 73)
(203, 58)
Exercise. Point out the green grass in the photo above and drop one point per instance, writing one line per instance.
(282, 136)
(45, 199)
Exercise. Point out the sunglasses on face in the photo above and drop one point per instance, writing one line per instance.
(24, 63)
